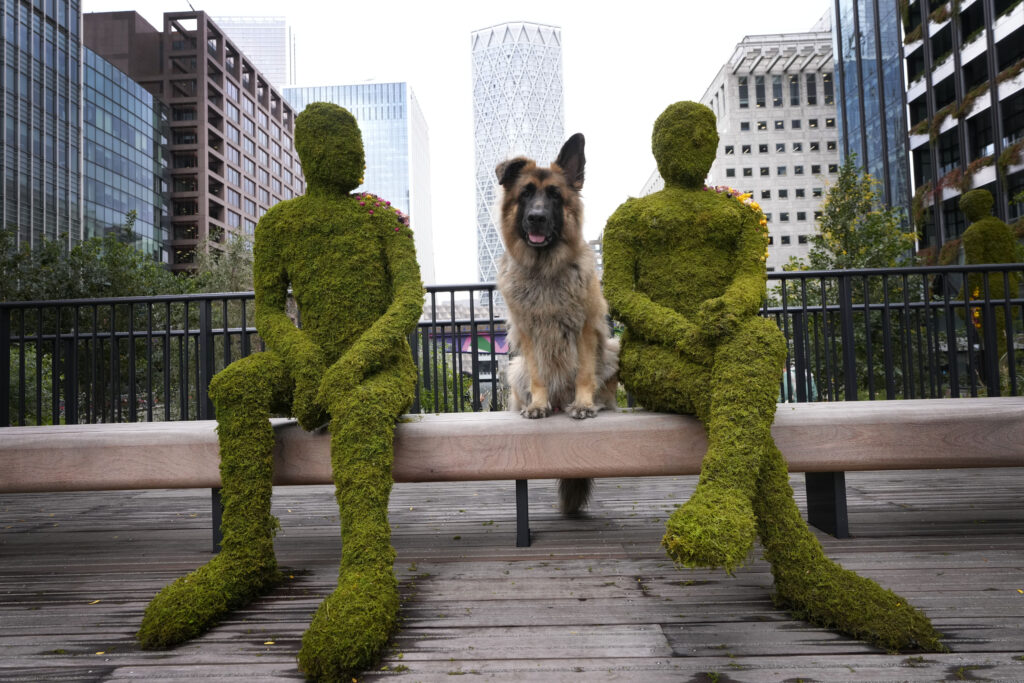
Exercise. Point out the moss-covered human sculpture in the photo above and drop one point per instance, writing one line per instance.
(352, 267)
(684, 271)
(988, 240)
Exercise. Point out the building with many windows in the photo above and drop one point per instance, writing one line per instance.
(267, 41)
(517, 110)
(871, 104)
(124, 164)
(778, 138)
(40, 110)
(397, 147)
(231, 149)
(965, 97)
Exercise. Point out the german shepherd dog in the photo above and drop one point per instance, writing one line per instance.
(558, 318)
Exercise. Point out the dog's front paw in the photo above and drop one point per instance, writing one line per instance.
(535, 410)
(581, 411)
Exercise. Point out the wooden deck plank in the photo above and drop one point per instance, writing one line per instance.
(593, 597)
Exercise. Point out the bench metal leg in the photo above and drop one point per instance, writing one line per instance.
(826, 502)
(522, 514)
(218, 512)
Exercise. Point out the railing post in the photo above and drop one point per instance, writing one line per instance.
(990, 352)
(205, 360)
(70, 382)
(826, 491)
(5, 367)
(799, 357)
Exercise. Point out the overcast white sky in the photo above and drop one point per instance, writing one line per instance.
(622, 64)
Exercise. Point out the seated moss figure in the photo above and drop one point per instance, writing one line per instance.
(988, 240)
(684, 271)
(352, 267)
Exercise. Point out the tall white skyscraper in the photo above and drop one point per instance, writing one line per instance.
(517, 110)
(397, 146)
(267, 41)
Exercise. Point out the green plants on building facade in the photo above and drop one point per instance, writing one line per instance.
(352, 267)
(685, 274)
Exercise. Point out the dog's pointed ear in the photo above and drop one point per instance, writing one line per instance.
(508, 171)
(572, 161)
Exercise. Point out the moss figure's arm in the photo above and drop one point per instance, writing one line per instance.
(642, 316)
(745, 294)
(375, 346)
(303, 357)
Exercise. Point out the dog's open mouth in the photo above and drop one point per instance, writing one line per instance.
(537, 240)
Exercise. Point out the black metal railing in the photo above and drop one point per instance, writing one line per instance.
(857, 334)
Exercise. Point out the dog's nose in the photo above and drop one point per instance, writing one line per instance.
(536, 217)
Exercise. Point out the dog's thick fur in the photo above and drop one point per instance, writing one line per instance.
(558, 318)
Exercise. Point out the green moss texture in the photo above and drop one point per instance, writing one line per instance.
(351, 264)
(988, 240)
(684, 272)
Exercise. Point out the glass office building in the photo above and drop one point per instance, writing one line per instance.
(267, 41)
(517, 110)
(871, 104)
(124, 136)
(396, 144)
(39, 151)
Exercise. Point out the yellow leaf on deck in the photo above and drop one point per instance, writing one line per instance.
(94, 602)
(269, 642)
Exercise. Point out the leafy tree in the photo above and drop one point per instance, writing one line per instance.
(856, 229)
(225, 270)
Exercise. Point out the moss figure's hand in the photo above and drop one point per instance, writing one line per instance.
(715, 320)
(692, 345)
(307, 407)
(339, 380)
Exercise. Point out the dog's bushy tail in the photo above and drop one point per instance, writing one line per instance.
(574, 494)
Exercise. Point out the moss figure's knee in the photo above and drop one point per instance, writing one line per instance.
(257, 380)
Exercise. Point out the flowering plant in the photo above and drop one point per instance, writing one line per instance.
(375, 203)
(747, 199)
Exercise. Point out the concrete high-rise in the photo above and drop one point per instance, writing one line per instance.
(397, 146)
(231, 147)
(517, 110)
(40, 107)
(267, 41)
(775, 104)
(966, 109)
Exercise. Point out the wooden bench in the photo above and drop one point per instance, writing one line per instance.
(823, 440)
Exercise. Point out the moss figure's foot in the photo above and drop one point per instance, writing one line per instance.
(352, 626)
(194, 603)
(715, 528)
(836, 598)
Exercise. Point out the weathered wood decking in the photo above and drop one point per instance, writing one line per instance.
(592, 599)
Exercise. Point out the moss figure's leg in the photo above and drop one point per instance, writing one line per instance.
(244, 395)
(660, 379)
(815, 589)
(716, 528)
(352, 626)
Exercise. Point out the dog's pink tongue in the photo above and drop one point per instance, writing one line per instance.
(536, 239)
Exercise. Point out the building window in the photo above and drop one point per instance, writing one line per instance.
(744, 95)
(232, 154)
(780, 147)
(762, 125)
(794, 90)
(762, 149)
(812, 90)
(250, 207)
(785, 239)
(826, 86)
(766, 194)
(800, 193)
(801, 239)
(744, 125)
(729, 149)
(812, 123)
(830, 122)
(234, 199)
(249, 186)
(768, 217)
(795, 124)
(233, 176)
(798, 146)
(781, 170)
(815, 169)
(817, 192)
(249, 126)
(798, 170)
(814, 146)
(764, 171)
(771, 240)
(780, 125)
(249, 165)
(833, 168)
(759, 91)
(801, 216)
(777, 91)
(730, 173)
(783, 194)
(234, 219)
(784, 216)
(231, 132)
(817, 215)
(746, 149)
(830, 145)
(748, 172)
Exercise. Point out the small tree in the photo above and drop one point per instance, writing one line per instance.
(225, 270)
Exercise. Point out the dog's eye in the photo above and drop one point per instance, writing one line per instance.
(528, 190)
(553, 192)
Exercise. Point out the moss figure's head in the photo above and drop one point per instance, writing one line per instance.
(976, 204)
(330, 148)
(684, 143)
